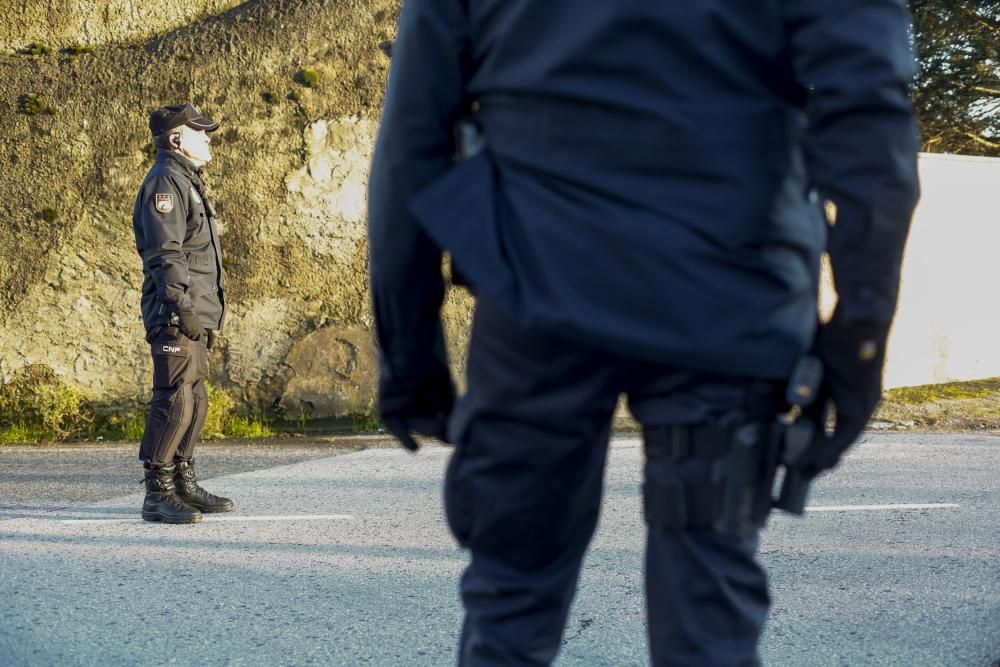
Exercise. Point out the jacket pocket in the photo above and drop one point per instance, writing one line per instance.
(459, 212)
(199, 259)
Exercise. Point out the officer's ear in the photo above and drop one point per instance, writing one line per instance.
(175, 140)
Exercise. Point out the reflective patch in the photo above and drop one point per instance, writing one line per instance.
(164, 203)
(170, 349)
(195, 196)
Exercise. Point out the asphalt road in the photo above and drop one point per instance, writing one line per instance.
(338, 555)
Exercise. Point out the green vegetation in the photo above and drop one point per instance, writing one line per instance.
(363, 422)
(49, 215)
(223, 421)
(309, 78)
(269, 96)
(21, 433)
(36, 405)
(32, 104)
(36, 49)
(78, 49)
(149, 150)
(220, 409)
(932, 393)
(124, 425)
(254, 426)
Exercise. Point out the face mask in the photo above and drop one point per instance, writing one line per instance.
(195, 145)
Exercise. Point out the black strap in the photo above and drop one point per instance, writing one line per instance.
(672, 505)
(676, 443)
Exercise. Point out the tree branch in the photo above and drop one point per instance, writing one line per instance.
(979, 140)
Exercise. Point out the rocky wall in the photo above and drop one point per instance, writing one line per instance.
(289, 177)
(64, 23)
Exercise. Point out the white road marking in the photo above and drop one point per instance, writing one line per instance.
(213, 518)
(874, 508)
(349, 517)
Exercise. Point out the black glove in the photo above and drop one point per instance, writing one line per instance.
(417, 406)
(210, 343)
(190, 325)
(853, 355)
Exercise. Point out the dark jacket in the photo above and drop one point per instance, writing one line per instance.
(175, 234)
(654, 176)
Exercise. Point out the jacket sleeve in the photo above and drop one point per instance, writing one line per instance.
(414, 146)
(164, 227)
(854, 58)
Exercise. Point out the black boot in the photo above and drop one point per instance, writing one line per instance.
(162, 503)
(195, 496)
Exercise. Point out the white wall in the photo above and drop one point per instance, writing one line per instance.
(947, 326)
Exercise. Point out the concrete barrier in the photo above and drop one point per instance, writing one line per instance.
(947, 325)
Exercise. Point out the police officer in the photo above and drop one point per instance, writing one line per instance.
(640, 211)
(183, 307)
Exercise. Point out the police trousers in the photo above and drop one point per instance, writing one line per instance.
(523, 492)
(179, 403)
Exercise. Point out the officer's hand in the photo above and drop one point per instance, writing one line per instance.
(417, 406)
(210, 341)
(853, 354)
(190, 325)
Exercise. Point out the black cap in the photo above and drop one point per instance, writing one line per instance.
(167, 118)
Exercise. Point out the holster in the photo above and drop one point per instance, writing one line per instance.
(736, 499)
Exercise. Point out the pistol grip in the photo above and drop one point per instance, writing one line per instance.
(794, 492)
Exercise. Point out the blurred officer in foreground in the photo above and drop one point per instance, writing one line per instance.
(182, 308)
(638, 207)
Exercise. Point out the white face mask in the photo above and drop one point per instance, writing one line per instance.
(195, 145)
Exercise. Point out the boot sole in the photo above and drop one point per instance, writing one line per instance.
(158, 517)
(209, 509)
(212, 510)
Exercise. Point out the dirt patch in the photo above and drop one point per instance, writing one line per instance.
(955, 406)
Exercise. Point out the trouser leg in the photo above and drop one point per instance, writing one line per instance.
(527, 520)
(707, 595)
(178, 367)
(170, 413)
(523, 488)
(185, 450)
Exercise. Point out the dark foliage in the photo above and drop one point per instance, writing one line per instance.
(957, 94)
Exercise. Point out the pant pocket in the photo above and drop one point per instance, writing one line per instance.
(173, 362)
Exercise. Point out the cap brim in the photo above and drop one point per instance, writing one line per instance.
(202, 123)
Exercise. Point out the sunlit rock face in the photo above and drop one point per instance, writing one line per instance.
(64, 23)
(289, 178)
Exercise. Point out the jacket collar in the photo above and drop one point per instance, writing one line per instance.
(174, 158)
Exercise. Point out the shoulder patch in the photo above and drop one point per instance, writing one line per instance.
(164, 203)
